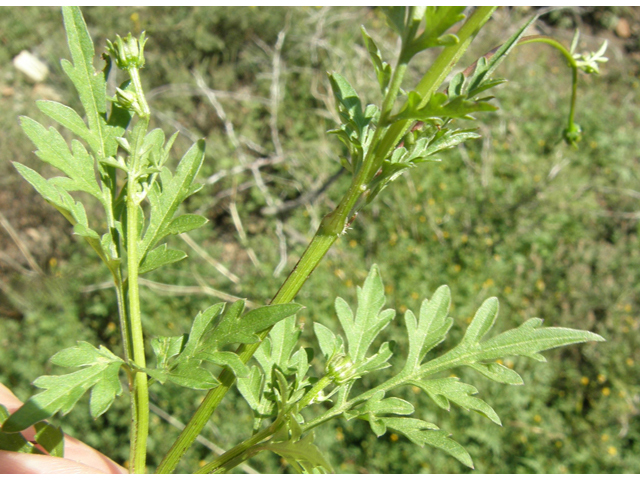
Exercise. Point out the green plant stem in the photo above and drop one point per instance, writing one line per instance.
(572, 63)
(239, 453)
(333, 225)
(140, 393)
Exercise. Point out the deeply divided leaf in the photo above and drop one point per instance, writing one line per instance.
(62, 392)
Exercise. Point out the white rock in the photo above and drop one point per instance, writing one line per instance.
(31, 66)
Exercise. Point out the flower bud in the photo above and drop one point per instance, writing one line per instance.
(128, 100)
(127, 53)
(341, 369)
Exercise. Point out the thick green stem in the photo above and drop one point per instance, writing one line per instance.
(140, 393)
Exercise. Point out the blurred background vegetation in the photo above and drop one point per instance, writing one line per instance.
(552, 231)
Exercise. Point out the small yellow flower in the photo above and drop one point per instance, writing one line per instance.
(627, 308)
(629, 362)
(488, 283)
(348, 283)
(613, 451)
(431, 202)
(422, 219)
(457, 268)
(606, 391)
(537, 418)
(509, 364)
(604, 437)
(443, 186)
(417, 208)
(507, 290)
(388, 289)
(488, 241)
(602, 378)
(415, 389)
(445, 234)
(353, 243)
(202, 463)
(584, 381)
(393, 437)
(415, 295)
(402, 309)
(558, 444)
(451, 211)
(53, 262)
(111, 327)
(540, 285)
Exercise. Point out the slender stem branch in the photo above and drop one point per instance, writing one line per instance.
(239, 449)
(572, 63)
(238, 454)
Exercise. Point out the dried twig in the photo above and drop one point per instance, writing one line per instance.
(305, 198)
(208, 258)
(283, 249)
(176, 290)
(233, 209)
(260, 162)
(21, 245)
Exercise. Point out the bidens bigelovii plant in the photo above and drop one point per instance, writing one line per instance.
(122, 164)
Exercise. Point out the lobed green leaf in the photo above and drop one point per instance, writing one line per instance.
(62, 392)
(443, 390)
(369, 320)
(165, 199)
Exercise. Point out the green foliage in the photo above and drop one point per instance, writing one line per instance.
(280, 386)
(179, 357)
(62, 392)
